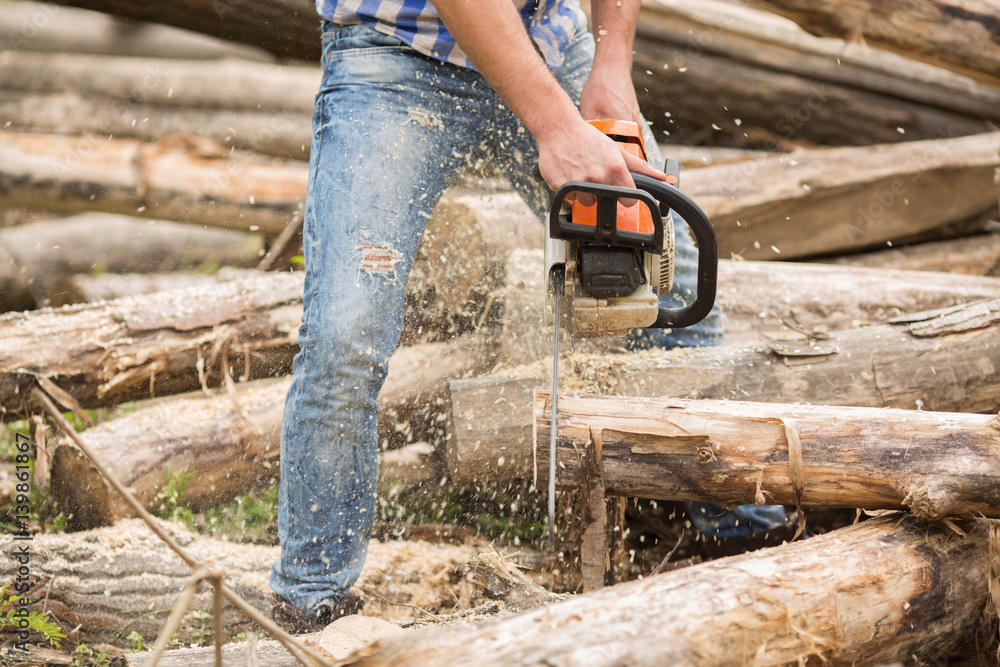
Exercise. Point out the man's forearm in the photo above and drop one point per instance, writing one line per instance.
(502, 51)
(500, 48)
(613, 23)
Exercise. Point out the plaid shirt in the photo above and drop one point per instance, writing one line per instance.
(551, 24)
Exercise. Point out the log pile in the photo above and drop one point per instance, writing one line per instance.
(862, 374)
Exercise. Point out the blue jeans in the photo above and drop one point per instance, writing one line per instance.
(391, 130)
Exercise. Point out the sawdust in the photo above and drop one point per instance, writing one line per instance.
(125, 566)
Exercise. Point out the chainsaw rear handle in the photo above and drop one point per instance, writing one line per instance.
(708, 253)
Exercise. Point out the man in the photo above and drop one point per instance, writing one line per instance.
(413, 93)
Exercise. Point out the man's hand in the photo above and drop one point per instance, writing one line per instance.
(581, 152)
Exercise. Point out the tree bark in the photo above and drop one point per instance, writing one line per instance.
(977, 255)
(180, 178)
(923, 363)
(961, 36)
(152, 345)
(762, 82)
(285, 28)
(884, 590)
(933, 464)
(231, 439)
(846, 199)
(37, 257)
(45, 28)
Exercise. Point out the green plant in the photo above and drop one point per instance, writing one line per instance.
(246, 517)
(171, 508)
(88, 656)
(11, 617)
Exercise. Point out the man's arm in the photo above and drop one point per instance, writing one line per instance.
(609, 92)
(569, 148)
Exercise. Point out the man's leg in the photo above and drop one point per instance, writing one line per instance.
(385, 134)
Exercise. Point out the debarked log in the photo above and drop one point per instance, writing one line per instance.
(112, 581)
(179, 178)
(759, 297)
(846, 199)
(286, 28)
(934, 464)
(884, 590)
(36, 258)
(977, 255)
(227, 443)
(152, 345)
(960, 36)
(940, 361)
(720, 73)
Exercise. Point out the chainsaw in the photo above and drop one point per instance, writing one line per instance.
(609, 256)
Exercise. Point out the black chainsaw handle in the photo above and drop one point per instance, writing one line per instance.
(708, 253)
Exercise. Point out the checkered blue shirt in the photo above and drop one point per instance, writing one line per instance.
(551, 24)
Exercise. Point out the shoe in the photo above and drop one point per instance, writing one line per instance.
(733, 546)
(293, 621)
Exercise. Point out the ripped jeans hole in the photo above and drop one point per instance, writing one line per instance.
(379, 260)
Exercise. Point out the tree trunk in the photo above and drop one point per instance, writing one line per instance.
(38, 257)
(764, 83)
(977, 255)
(285, 28)
(152, 345)
(228, 442)
(922, 364)
(86, 288)
(758, 298)
(888, 589)
(233, 85)
(763, 296)
(933, 464)
(254, 106)
(39, 27)
(280, 135)
(177, 179)
(119, 579)
(846, 199)
(961, 36)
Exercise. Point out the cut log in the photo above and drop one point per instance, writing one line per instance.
(763, 296)
(963, 37)
(763, 82)
(116, 580)
(231, 440)
(933, 464)
(36, 26)
(758, 298)
(230, 84)
(285, 28)
(887, 589)
(38, 257)
(152, 345)
(254, 106)
(281, 135)
(182, 179)
(977, 255)
(846, 199)
(85, 288)
(955, 371)
(742, 33)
